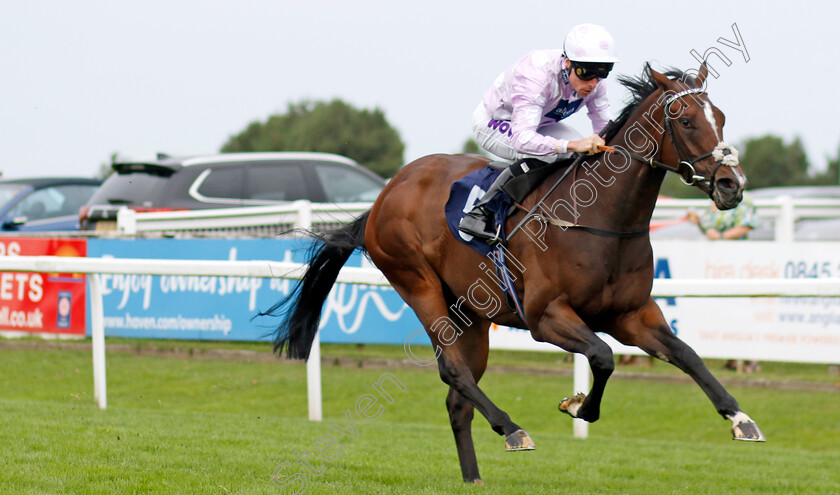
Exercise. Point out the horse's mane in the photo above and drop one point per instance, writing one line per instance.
(640, 88)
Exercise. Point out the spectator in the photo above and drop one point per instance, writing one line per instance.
(731, 224)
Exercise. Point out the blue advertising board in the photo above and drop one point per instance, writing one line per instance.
(228, 308)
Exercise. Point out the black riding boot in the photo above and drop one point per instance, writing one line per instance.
(478, 221)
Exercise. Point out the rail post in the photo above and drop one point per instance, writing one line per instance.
(581, 384)
(97, 333)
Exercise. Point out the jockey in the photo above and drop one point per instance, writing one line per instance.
(520, 116)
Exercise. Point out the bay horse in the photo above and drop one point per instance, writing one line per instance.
(584, 262)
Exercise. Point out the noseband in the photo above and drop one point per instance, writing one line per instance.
(685, 167)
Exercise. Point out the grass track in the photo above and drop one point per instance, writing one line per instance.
(213, 426)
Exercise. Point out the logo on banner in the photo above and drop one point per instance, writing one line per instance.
(662, 269)
(64, 309)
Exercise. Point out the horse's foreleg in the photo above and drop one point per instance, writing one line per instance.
(561, 326)
(648, 330)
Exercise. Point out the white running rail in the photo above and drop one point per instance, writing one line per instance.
(352, 275)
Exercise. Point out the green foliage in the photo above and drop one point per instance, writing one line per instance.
(330, 127)
(105, 169)
(672, 186)
(831, 177)
(769, 162)
(470, 146)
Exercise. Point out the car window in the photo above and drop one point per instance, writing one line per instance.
(74, 197)
(276, 183)
(137, 188)
(346, 185)
(43, 203)
(222, 182)
(8, 192)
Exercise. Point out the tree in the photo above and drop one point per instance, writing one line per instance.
(674, 187)
(769, 162)
(106, 169)
(831, 177)
(330, 127)
(470, 146)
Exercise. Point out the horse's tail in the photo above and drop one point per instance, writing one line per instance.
(326, 257)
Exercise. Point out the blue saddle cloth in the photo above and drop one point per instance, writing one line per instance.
(464, 193)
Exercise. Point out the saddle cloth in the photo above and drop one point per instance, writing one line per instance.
(464, 193)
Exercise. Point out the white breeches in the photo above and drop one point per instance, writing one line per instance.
(498, 140)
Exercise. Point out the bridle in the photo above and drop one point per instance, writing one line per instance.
(722, 154)
(685, 167)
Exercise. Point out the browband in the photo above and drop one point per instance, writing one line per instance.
(681, 94)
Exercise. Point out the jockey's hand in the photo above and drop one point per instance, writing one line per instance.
(588, 145)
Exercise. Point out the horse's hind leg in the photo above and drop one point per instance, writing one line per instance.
(426, 297)
(648, 330)
(460, 419)
(475, 340)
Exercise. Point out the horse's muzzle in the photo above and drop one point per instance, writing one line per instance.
(727, 193)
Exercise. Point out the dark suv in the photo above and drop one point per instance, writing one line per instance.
(228, 180)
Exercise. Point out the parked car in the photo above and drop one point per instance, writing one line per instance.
(806, 229)
(228, 180)
(44, 204)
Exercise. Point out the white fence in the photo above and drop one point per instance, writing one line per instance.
(778, 216)
(267, 269)
(662, 288)
(250, 221)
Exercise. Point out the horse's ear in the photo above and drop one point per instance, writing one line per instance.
(661, 80)
(701, 77)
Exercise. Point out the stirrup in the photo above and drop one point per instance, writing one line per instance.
(491, 238)
(497, 237)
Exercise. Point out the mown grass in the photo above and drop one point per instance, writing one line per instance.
(216, 426)
(526, 359)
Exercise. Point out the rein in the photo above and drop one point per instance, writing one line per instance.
(685, 169)
(564, 224)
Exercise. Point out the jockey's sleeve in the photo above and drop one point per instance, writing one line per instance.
(598, 107)
(531, 91)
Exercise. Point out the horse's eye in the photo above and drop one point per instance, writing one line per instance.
(685, 123)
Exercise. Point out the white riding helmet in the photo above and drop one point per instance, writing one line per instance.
(590, 43)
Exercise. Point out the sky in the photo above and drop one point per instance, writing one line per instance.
(82, 79)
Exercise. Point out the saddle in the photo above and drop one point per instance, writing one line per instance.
(523, 183)
(464, 192)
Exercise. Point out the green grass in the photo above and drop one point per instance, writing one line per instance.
(215, 426)
(526, 359)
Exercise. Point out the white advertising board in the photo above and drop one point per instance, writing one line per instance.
(800, 329)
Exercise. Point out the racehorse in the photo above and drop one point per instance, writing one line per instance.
(583, 259)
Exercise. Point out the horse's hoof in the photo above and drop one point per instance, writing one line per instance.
(519, 440)
(478, 482)
(571, 405)
(747, 431)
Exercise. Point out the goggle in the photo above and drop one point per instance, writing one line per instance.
(587, 71)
